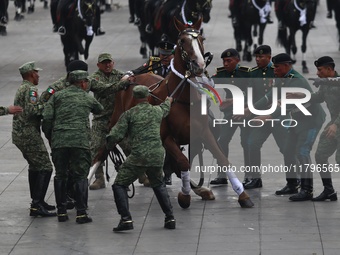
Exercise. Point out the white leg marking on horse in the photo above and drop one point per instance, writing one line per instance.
(185, 177)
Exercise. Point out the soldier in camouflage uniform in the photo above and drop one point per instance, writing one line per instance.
(12, 109)
(142, 124)
(104, 83)
(300, 137)
(329, 139)
(26, 136)
(66, 124)
(160, 66)
(232, 70)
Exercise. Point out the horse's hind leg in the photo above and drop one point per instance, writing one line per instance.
(303, 50)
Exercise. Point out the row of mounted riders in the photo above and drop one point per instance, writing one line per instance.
(60, 11)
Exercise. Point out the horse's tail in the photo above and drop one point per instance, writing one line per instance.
(282, 39)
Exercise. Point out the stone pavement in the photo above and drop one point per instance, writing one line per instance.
(273, 226)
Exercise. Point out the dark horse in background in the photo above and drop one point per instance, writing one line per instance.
(185, 125)
(296, 15)
(79, 22)
(162, 15)
(3, 16)
(251, 14)
(337, 17)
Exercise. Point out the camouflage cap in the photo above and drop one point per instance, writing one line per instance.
(27, 67)
(140, 91)
(104, 56)
(78, 75)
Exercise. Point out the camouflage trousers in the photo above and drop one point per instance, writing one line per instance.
(99, 130)
(128, 173)
(326, 148)
(36, 156)
(75, 160)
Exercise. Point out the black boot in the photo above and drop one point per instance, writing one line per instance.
(122, 204)
(255, 162)
(306, 192)
(37, 208)
(164, 201)
(60, 198)
(291, 187)
(328, 192)
(81, 196)
(70, 201)
(44, 191)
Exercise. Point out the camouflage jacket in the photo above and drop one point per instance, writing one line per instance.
(329, 94)
(3, 110)
(141, 124)
(104, 89)
(66, 118)
(56, 86)
(26, 126)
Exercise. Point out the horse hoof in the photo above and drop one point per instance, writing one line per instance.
(305, 70)
(244, 200)
(204, 193)
(184, 200)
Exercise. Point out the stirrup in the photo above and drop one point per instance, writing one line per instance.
(62, 30)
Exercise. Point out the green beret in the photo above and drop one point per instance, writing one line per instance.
(166, 48)
(104, 56)
(27, 67)
(324, 61)
(263, 50)
(140, 91)
(78, 75)
(282, 58)
(228, 53)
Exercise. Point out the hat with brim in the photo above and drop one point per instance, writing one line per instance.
(104, 56)
(27, 67)
(282, 58)
(230, 53)
(140, 91)
(166, 48)
(324, 61)
(263, 50)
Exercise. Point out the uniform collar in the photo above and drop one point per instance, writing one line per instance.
(289, 72)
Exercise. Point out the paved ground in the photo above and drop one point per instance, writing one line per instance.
(273, 226)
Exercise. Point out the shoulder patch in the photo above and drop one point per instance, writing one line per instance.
(155, 59)
(254, 69)
(33, 96)
(220, 69)
(244, 68)
(51, 91)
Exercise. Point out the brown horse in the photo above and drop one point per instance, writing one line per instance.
(176, 129)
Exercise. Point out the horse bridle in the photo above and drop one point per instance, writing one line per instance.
(90, 7)
(200, 8)
(185, 56)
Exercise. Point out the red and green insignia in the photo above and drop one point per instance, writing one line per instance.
(51, 91)
(33, 93)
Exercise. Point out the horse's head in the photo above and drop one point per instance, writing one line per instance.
(87, 10)
(202, 7)
(190, 47)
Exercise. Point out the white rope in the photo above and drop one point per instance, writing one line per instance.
(302, 19)
(183, 14)
(263, 12)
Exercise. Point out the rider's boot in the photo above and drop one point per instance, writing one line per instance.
(164, 201)
(122, 204)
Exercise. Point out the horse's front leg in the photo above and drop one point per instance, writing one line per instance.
(211, 144)
(88, 40)
(304, 49)
(184, 197)
(292, 44)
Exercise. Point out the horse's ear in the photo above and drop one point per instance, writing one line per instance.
(198, 24)
(179, 25)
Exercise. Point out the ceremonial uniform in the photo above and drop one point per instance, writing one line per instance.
(236, 77)
(142, 124)
(329, 93)
(104, 86)
(301, 137)
(262, 82)
(66, 124)
(26, 136)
